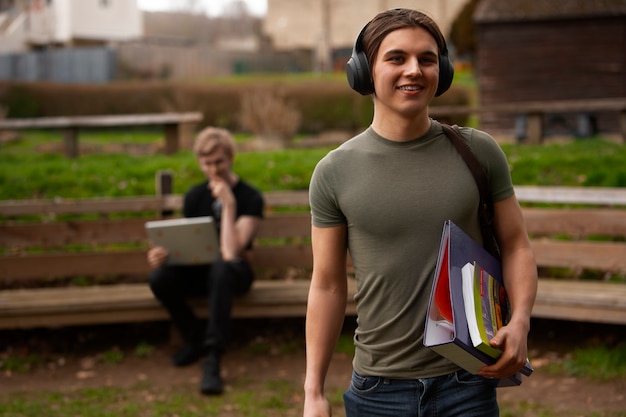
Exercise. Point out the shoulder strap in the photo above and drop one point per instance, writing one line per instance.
(485, 212)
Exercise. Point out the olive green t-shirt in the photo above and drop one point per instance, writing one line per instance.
(394, 198)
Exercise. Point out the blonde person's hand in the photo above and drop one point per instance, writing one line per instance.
(157, 256)
(221, 190)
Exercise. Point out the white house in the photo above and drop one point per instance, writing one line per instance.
(36, 24)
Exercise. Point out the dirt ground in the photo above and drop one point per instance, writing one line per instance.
(266, 349)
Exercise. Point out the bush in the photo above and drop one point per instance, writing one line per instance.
(324, 104)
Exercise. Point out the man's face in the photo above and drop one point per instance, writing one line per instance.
(215, 165)
(406, 72)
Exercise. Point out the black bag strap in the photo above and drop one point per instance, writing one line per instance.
(485, 212)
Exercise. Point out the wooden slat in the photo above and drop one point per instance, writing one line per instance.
(575, 222)
(530, 194)
(58, 265)
(292, 225)
(571, 195)
(567, 254)
(46, 207)
(100, 121)
(135, 302)
(296, 198)
(129, 262)
(54, 234)
(581, 301)
(554, 106)
(13, 208)
(593, 255)
(105, 231)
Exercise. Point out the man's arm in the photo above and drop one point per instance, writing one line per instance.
(326, 309)
(235, 232)
(519, 271)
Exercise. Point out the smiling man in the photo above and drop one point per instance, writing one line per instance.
(384, 196)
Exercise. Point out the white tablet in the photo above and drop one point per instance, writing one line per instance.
(190, 241)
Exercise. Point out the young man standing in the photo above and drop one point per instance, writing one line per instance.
(384, 196)
(237, 208)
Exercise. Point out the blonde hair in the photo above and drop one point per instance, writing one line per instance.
(211, 138)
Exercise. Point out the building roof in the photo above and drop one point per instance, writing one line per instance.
(518, 10)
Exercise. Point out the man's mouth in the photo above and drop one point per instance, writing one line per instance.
(409, 88)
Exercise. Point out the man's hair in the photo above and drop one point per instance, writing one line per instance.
(391, 20)
(212, 138)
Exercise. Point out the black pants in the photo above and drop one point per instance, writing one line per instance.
(220, 282)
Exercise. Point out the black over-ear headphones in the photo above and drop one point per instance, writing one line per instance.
(360, 79)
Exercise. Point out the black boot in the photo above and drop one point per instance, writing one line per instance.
(211, 383)
(194, 347)
(188, 354)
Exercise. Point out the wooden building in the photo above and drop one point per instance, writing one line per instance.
(536, 50)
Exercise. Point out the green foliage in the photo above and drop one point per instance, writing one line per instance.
(144, 350)
(582, 162)
(598, 362)
(112, 356)
(20, 363)
(345, 344)
(29, 170)
(325, 103)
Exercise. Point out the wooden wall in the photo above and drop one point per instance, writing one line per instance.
(551, 60)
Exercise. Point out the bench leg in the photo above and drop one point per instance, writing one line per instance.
(171, 138)
(535, 128)
(70, 142)
(622, 125)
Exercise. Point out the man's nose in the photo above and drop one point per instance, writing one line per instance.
(413, 67)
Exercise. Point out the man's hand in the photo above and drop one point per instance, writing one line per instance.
(318, 407)
(157, 256)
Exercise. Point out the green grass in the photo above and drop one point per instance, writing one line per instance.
(597, 362)
(28, 172)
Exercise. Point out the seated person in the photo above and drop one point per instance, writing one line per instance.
(237, 208)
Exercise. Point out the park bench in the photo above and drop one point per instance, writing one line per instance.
(564, 224)
(530, 115)
(174, 126)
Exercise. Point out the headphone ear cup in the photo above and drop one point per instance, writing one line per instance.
(446, 74)
(358, 73)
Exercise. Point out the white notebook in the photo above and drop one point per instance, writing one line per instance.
(190, 241)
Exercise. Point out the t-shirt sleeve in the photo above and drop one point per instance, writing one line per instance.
(325, 210)
(254, 204)
(493, 158)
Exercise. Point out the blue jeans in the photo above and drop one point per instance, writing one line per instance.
(457, 394)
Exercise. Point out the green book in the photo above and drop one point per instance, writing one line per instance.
(486, 306)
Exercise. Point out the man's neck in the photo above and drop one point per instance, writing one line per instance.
(400, 128)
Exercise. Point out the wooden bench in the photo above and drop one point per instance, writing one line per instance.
(531, 123)
(174, 124)
(35, 254)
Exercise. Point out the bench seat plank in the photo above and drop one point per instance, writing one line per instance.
(586, 301)
(571, 300)
(135, 302)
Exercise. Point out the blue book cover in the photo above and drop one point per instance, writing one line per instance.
(447, 331)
